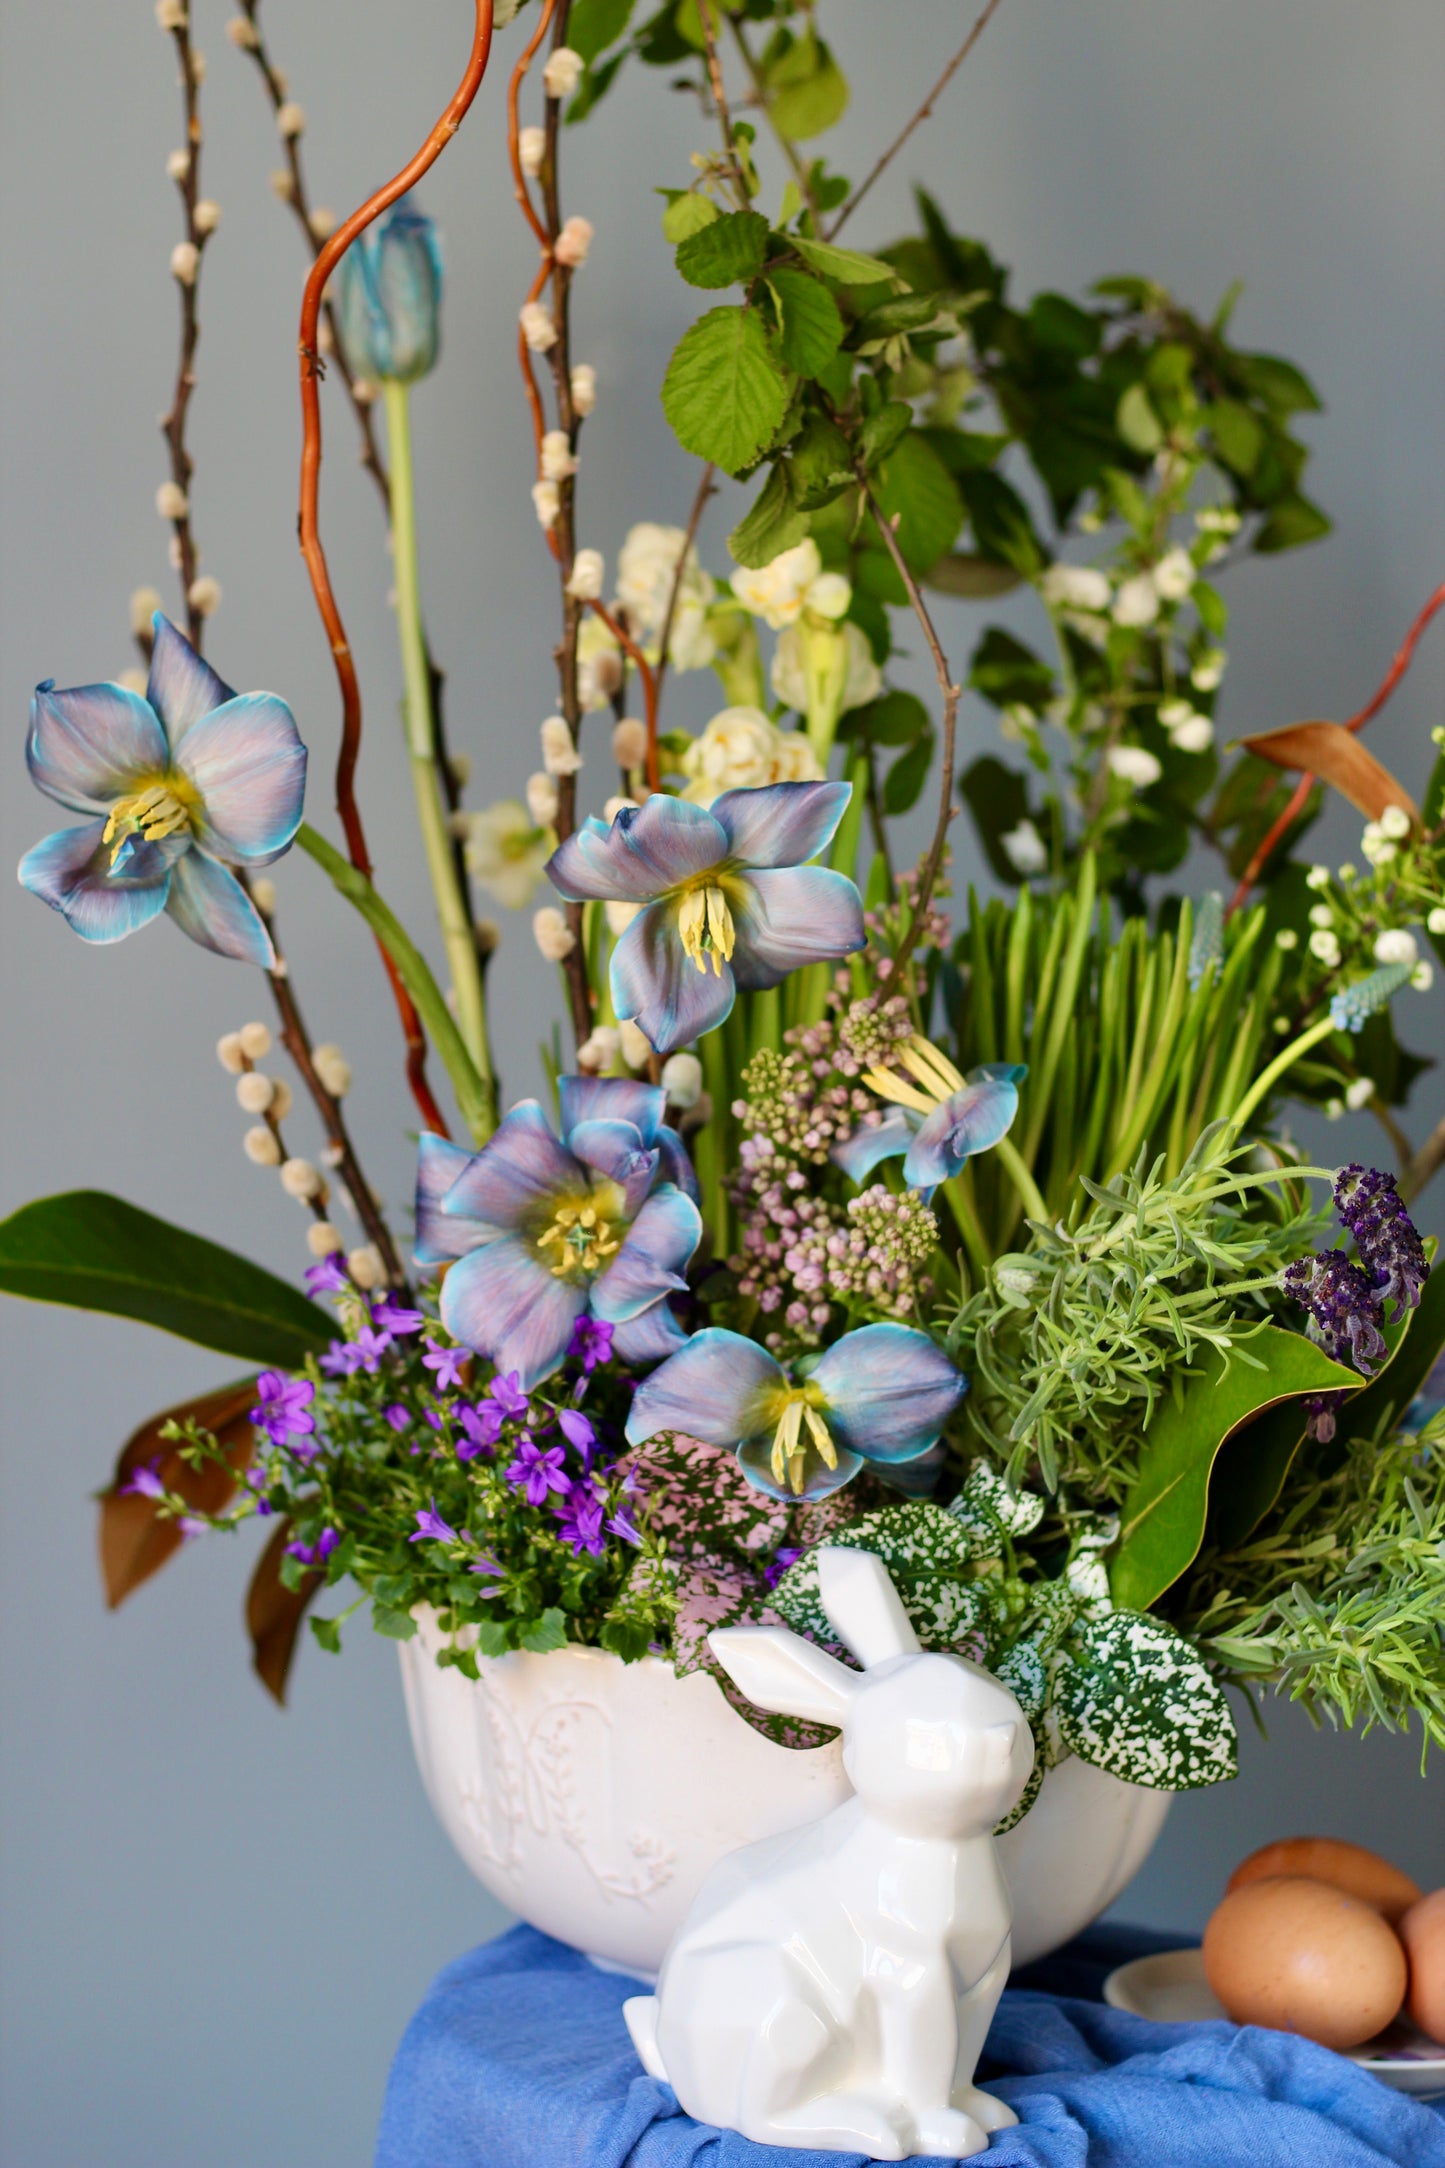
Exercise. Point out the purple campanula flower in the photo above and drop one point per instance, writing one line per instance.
(341, 1359)
(395, 1317)
(481, 1428)
(190, 1525)
(727, 899)
(579, 1520)
(545, 1229)
(537, 1471)
(507, 1397)
(370, 1346)
(257, 1482)
(489, 1566)
(429, 1415)
(328, 1276)
(431, 1528)
(591, 1343)
(317, 1553)
(143, 1482)
(1386, 1239)
(880, 1394)
(447, 1364)
(578, 1432)
(622, 1524)
(178, 787)
(397, 1416)
(284, 1407)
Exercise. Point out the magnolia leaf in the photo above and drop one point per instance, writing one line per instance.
(773, 524)
(1164, 1510)
(274, 1613)
(972, 577)
(847, 265)
(726, 251)
(1336, 755)
(1136, 1701)
(135, 1538)
(724, 392)
(96, 1252)
(810, 329)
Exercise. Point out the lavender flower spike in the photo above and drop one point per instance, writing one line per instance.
(881, 1394)
(727, 899)
(1386, 1239)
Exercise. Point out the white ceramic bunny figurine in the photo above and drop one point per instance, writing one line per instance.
(833, 1986)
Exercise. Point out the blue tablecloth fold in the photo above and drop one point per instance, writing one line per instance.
(519, 2058)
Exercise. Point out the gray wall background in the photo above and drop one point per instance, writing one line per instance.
(218, 1917)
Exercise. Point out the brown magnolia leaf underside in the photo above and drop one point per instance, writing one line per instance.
(134, 1540)
(1336, 755)
(274, 1613)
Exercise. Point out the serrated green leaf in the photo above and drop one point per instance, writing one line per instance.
(883, 430)
(810, 329)
(1162, 1523)
(1136, 1701)
(724, 393)
(328, 1634)
(92, 1251)
(548, 1633)
(773, 524)
(895, 718)
(686, 213)
(393, 1625)
(847, 265)
(1238, 435)
(903, 784)
(1136, 421)
(820, 465)
(593, 25)
(916, 492)
(808, 92)
(1293, 520)
(726, 251)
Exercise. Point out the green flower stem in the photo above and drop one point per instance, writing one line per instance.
(843, 857)
(474, 1095)
(1264, 1084)
(711, 1155)
(961, 1204)
(1030, 1195)
(457, 934)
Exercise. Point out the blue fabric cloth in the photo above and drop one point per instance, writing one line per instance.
(519, 2058)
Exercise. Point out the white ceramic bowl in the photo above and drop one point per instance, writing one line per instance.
(592, 1796)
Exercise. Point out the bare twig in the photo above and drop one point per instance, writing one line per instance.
(705, 489)
(918, 118)
(187, 177)
(720, 97)
(760, 98)
(618, 629)
(1426, 1163)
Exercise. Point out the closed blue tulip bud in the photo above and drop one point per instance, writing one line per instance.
(390, 300)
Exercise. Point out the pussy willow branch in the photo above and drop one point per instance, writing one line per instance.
(618, 629)
(917, 121)
(327, 259)
(278, 91)
(705, 489)
(1404, 656)
(173, 423)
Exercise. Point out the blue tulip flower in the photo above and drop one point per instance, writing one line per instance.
(727, 898)
(937, 1120)
(389, 307)
(542, 1231)
(880, 1394)
(180, 786)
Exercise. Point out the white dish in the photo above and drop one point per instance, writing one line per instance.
(1171, 1988)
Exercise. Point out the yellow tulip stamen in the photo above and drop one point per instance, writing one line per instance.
(934, 1071)
(152, 813)
(889, 1086)
(584, 1237)
(791, 1444)
(706, 926)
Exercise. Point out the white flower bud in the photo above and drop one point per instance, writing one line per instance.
(682, 1080)
(301, 1180)
(133, 681)
(629, 742)
(321, 223)
(261, 1146)
(333, 1068)
(600, 1049)
(1208, 673)
(185, 262)
(636, 1046)
(1435, 923)
(255, 1041)
(1376, 846)
(1174, 575)
(1137, 602)
(1422, 978)
(573, 242)
(254, 1092)
(1194, 736)
(1318, 877)
(539, 327)
(1321, 915)
(322, 1239)
(283, 186)
(178, 165)
(171, 14)
(291, 120)
(281, 1099)
(542, 799)
(532, 149)
(584, 387)
(559, 461)
(546, 503)
(204, 595)
(172, 501)
(1325, 947)
(207, 215)
(1286, 938)
(230, 1053)
(243, 34)
(619, 917)
(562, 73)
(1360, 1093)
(1334, 1108)
(1134, 764)
(488, 936)
(1397, 946)
(263, 894)
(144, 603)
(559, 755)
(366, 1267)
(553, 936)
(1025, 849)
(1395, 823)
(588, 572)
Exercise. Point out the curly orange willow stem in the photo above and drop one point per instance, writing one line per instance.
(534, 396)
(1405, 655)
(514, 131)
(649, 690)
(311, 549)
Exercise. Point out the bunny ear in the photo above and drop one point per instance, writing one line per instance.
(863, 1605)
(781, 1671)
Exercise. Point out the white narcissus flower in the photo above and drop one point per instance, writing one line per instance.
(1025, 849)
(1134, 764)
(646, 569)
(1137, 603)
(735, 752)
(779, 592)
(1397, 946)
(552, 934)
(1174, 576)
(1075, 587)
(507, 852)
(789, 668)
(794, 760)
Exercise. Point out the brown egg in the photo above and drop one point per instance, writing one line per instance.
(1422, 1931)
(1301, 1956)
(1345, 1866)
